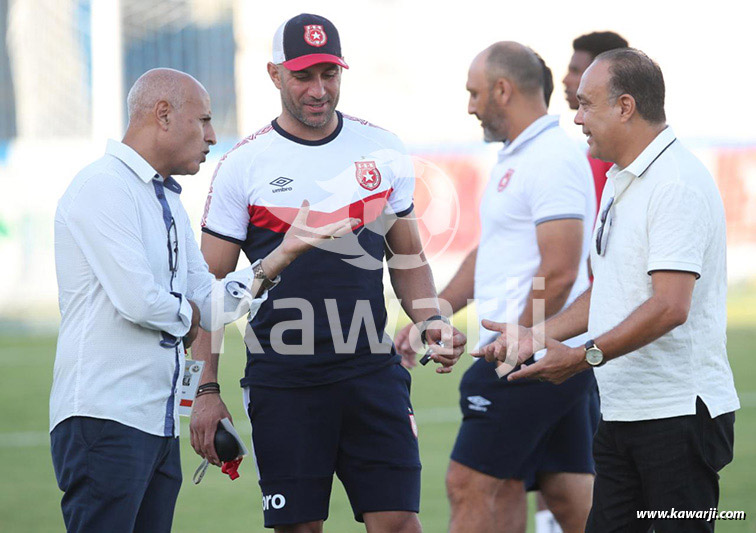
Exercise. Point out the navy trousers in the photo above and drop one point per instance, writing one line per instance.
(115, 478)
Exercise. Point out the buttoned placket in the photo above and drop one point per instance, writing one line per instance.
(622, 180)
(167, 339)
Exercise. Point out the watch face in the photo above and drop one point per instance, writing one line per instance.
(258, 271)
(594, 356)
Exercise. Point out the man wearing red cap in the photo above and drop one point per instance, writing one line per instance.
(324, 387)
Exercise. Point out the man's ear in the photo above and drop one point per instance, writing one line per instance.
(626, 104)
(162, 113)
(275, 75)
(502, 91)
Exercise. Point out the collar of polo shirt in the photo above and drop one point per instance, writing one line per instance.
(537, 126)
(138, 164)
(621, 178)
(644, 160)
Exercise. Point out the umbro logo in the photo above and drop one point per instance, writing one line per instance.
(275, 501)
(478, 403)
(281, 184)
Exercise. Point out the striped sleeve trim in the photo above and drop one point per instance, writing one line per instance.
(406, 212)
(559, 217)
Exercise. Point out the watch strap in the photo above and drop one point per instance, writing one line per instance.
(266, 283)
(425, 323)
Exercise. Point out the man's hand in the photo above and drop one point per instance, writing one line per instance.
(454, 344)
(404, 348)
(300, 237)
(194, 328)
(558, 365)
(208, 410)
(514, 346)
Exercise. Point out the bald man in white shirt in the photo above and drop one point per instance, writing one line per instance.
(532, 255)
(133, 290)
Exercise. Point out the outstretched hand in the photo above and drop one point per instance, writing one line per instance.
(301, 237)
(514, 346)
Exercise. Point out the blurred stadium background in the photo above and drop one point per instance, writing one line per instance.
(66, 66)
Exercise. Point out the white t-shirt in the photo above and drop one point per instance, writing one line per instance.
(540, 176)
(667, 215)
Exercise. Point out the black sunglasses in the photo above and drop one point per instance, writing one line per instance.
(602, 237)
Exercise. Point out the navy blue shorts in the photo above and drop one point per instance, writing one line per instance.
(517, 430)
(115, 478)
(362, 429)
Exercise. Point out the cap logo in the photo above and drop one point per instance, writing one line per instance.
(314, 35)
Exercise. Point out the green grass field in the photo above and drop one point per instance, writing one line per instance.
(29, 497)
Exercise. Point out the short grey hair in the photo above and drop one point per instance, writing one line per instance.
(517, 63)
(156, 85)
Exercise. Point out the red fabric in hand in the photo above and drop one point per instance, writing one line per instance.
(231, 468)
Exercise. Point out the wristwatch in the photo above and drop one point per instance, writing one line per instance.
(425, 323)
(266, 283)
(593, 354)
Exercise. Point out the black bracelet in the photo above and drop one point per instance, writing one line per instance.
(209, 386)
(426, 322)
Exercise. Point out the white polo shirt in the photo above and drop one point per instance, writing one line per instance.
(116, 295)
(667, 215)
(540, 176)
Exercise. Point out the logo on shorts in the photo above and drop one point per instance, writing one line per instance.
(367, 174)
(478, 403)
(413, 423)
(315, 35)
(273, 501)
(504, 181)
(281, 184)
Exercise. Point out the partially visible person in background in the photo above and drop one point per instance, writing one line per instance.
(585, 49)
(133, 291)
(548, 80)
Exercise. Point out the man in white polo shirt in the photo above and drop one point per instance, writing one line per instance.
(656, 313)
(533, 250)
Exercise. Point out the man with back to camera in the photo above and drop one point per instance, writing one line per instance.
(656, 312)
(532, 215)
(324, 395)
(133, 290)
(585, 49)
